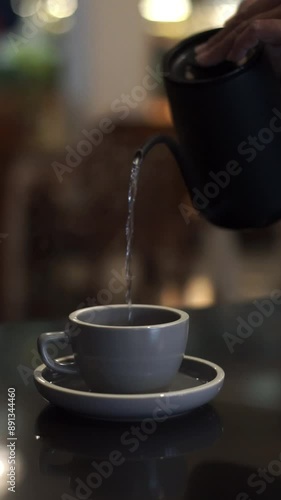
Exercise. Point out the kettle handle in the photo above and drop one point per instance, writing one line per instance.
(171, 144)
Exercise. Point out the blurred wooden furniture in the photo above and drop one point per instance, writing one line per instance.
(66, 238)
(12, 135)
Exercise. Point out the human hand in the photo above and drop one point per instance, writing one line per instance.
(255, 20)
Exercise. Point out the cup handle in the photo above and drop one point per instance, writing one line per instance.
(43, 341)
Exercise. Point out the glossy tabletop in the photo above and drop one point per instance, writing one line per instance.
(230, 449)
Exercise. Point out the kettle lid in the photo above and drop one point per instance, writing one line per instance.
(180, 63)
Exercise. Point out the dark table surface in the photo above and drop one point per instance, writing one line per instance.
(230, 449)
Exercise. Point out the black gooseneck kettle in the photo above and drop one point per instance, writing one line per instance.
(228, 122)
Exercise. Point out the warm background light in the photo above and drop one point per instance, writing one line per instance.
(199, 292)
(165, 11)
(61, 9)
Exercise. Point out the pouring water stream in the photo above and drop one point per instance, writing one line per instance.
(132, 194)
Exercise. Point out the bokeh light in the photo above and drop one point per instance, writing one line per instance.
(25, 8)
(165, 10)
(61, 9)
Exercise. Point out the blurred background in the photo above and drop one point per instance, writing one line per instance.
(80, 90)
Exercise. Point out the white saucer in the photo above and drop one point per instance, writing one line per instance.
(197, 383)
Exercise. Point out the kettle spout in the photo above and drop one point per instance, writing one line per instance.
(171, 144)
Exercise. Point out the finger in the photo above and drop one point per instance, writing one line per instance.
(222, 33)
(264, 30)
(254, 7)
(245, 5)
(247, 11)
(234, 24)
(216, 54)
(220, 36)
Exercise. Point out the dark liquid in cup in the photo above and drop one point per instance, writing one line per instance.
(138, 317)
